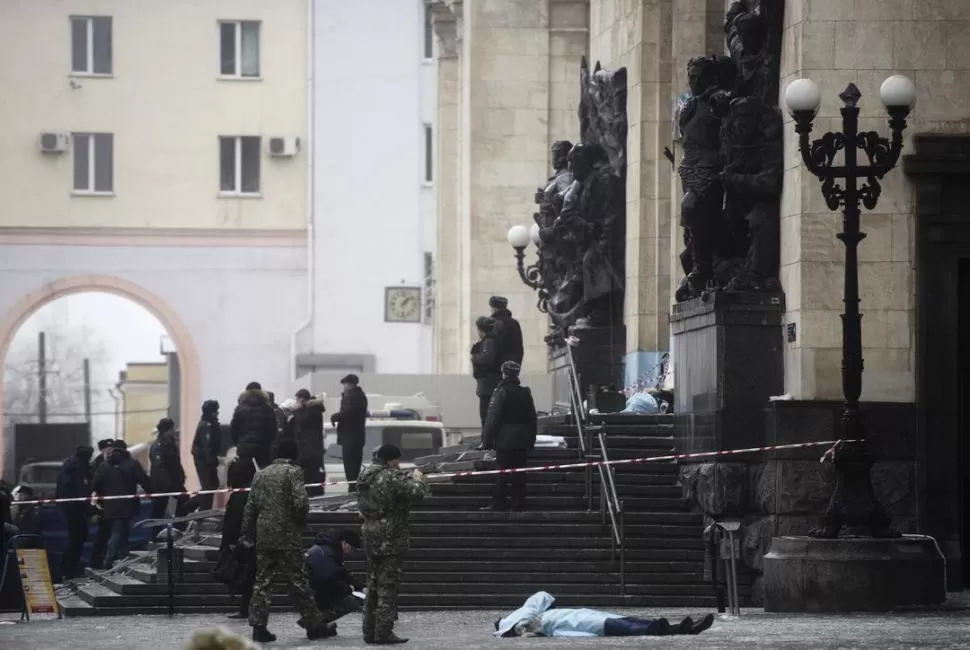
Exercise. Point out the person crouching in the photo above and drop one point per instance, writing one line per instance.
(332, 584)
(510, 429)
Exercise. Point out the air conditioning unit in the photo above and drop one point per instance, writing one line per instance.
(284, 146)
(53, 142)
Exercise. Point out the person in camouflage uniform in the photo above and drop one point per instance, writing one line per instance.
(274, 519)
(385, 494)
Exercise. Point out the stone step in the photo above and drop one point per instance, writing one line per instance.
(562, 489)
(451, 503)
(321, 521)
(578, 476)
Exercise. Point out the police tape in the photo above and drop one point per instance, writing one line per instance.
(484, 472)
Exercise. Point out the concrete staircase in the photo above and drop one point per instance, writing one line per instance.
(462, 557)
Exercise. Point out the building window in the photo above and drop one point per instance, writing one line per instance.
(91, 45)
(239, 164)
(428, 154)
(93, 162)
(239, 48)
(428, 34)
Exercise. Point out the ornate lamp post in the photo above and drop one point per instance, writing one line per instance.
(519, 238)
(853, 501)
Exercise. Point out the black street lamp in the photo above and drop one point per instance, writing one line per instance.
(853, 501)
(519, 238)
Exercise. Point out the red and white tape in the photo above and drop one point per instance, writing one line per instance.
(486, 472)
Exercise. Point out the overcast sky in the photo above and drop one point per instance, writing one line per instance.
(123, 329)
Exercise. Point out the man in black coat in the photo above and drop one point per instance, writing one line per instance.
(332, 583)
(104, 526)
(351, 423)
(167, 474)
(206, 447)
(508, 332)
(119, 476)
(510, 429)
(306, 428)
(254, 425)
(73, 482)
(239, 474)
(486, 364)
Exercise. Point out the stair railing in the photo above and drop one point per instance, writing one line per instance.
(610, 503)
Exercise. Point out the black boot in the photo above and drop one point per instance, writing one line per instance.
(683, 627)
(702, 624)
(324, 631)
(262, 635)
(389, 639)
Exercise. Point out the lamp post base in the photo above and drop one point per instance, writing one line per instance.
(805, 574)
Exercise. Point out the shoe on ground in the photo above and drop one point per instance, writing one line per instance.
(390, 639)
(684, 627)
(262, 635)
(702, 624)
(324, 631)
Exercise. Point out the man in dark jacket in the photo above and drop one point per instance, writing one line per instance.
(306, 427)
(331, 582)
(104, 448)
(104, 526)
(277, 413)
(485, 364)
(73, 482)
(351, 423)
(508, 332)
(254, 425)
(167, 474)
(206, 447)
(510, 429)
(120, 475)
(239, 475)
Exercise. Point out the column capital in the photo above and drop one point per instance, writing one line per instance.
(446, 21)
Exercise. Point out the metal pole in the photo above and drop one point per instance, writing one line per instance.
(42, 378)
(735, 602)
(171, 572)
(87, 391)
(622, 550)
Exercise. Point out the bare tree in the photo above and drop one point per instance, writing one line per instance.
(67, 347)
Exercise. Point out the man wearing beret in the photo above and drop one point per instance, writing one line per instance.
(508, 332)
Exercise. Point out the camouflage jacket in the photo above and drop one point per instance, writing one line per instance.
(384, 497)
(277, 508)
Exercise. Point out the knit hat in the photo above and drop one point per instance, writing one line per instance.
(350, 379)
(511, 369)
(485, 324)
(210, 406)
(388, 453)
(498, 302)
(165, 424)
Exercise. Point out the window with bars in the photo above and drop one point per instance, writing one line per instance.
(91, 45)
(239, 164)
(239, 48)
(93, 162)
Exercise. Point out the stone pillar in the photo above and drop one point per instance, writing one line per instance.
(638, 35)
(447, 317)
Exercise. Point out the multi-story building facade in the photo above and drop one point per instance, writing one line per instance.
(144, 394)
(158, 151)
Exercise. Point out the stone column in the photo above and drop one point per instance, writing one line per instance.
(638, 35)
(448, 322)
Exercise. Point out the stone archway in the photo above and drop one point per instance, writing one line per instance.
(170, 320)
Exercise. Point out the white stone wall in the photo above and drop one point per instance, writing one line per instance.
(863, 42)
(374, 213)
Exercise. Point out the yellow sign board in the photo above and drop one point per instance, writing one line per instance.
(35, 578)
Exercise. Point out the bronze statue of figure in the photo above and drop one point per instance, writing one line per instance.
(701, 166)
(752, 33)
(550, 199)
(752, 178)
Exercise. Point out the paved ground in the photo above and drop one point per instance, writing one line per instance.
(470, 631)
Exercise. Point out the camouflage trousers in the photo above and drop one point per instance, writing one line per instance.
(286, 566)
(383, 582)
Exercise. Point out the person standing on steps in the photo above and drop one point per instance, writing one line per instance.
(274, 520)
(205, 451)
(351, 423)
(119, 476)
(74, 481)
(508, 332)
(510, 429)
(167, 474)
(254, 425)
(486, 364)
(385, 494)
(239, 475)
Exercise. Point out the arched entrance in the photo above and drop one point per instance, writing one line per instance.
(188, 355)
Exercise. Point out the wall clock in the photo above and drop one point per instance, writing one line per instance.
(402, 304)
